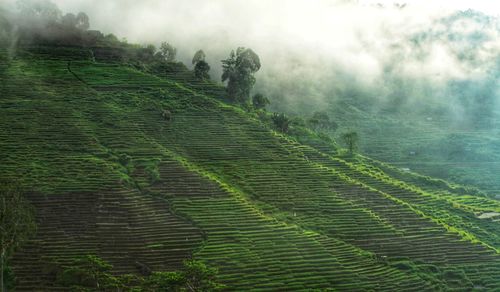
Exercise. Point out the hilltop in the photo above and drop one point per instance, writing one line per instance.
(109, 175)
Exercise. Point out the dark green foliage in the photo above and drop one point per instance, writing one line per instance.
(17, 223)
(165, 281)
(146, 54)
(88, 271)
(277, 214)
(167, 52)
(199, 277)
(9, 279)
(238, 70)
(350, 140)
(259, 101)
(281, 122)
(93, 273)
(321, 121)
(201, 70)
(201, 67)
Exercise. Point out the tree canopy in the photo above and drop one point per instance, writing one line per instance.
(238, 70)
(201, 67)
(92, 272)
(259, 101)
(198, 56)
(168, 52)
(281, 121)
(350, 139)
(321, 121)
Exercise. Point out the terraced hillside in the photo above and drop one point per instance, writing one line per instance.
(110, 176)
(426, 139)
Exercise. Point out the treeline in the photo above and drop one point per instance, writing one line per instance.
(42, 22)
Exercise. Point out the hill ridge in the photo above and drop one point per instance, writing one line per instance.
(269, 211)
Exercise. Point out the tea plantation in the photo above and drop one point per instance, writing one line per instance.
(109, 175)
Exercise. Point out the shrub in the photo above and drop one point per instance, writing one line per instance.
(281, 121)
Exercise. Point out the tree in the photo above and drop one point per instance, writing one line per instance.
(92, 272)
(198, 56)
(199, 277)
(87, 271)
(17, 223)
(351, 141)
(259, 101)
(321, 121)
(164, 281)
(146, 53)
(69, 21)
(281, 121)
(82, 21)
(201, 70)
(238, 70)
(201, 67)
(168, 52)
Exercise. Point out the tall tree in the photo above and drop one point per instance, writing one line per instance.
(201, 67)
(321, 121)
(259, 101)
(281, 121)
(82, 21)
(168, 52)
(198, 56)
(238, 70)
(17, 223)
(351, 141)
(201, 70)
(69, 21)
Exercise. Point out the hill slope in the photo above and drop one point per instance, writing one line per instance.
(110, 176)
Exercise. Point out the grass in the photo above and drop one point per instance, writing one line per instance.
(110, 176)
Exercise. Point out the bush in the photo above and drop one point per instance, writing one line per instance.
(259, 101)
(91, 273)
(281, 121)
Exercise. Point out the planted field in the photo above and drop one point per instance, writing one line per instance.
(109, 175)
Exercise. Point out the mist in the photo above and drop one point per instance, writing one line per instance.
(314, 53)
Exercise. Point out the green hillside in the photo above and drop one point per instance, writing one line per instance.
(109, 175)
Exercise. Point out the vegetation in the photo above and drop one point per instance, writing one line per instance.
(217, 185)
(17, 223)
(238, 70)
(133, 157)
(259, 101)
(167, 52)
(201, 67)
(281, 122)
(350, 139)
(91, 273)
(321, 121)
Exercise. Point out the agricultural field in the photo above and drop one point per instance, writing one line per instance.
(109, 175)
(429, 140)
